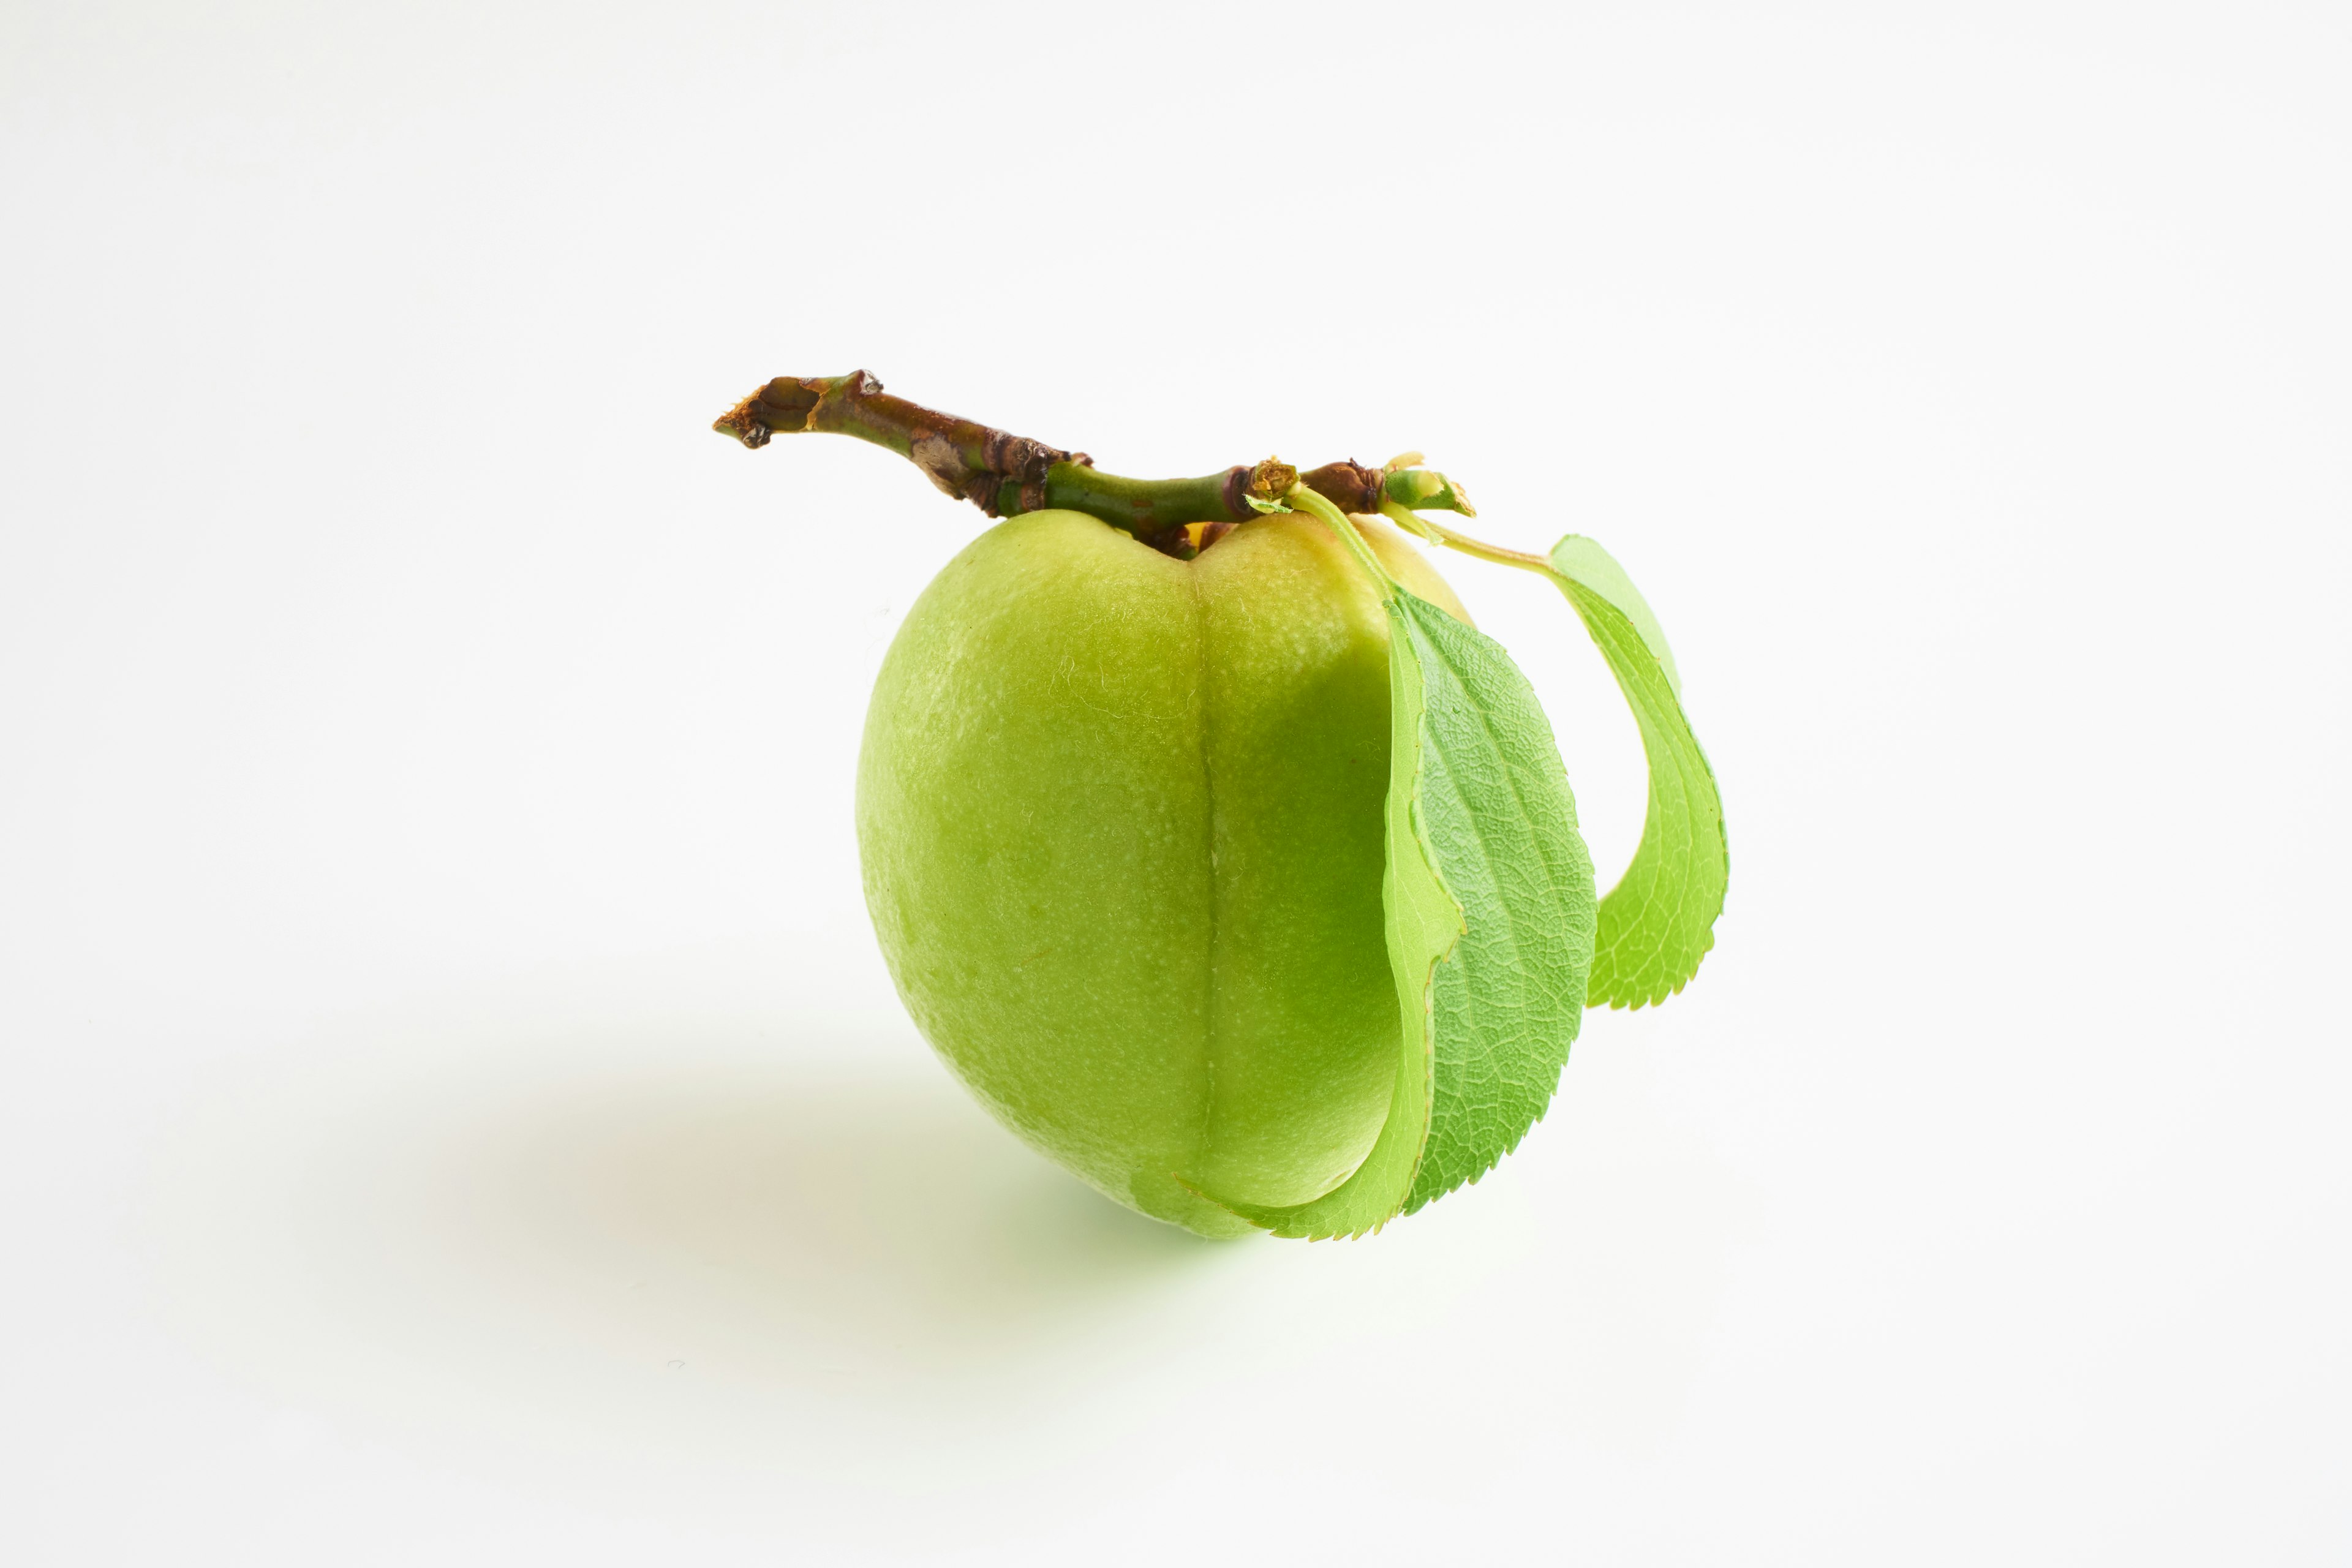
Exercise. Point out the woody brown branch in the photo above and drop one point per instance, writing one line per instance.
(964, 458)
(1005, 475)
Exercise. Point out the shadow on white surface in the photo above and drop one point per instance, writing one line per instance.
(569, 1232)
(881, 1212)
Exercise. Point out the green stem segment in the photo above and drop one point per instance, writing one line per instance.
(1005, 475)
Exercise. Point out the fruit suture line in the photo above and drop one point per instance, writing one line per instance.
(1401, 953)
(1007, 475)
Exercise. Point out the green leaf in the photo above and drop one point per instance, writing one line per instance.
(1658, 922)
(1494, 806)
(1490, 908)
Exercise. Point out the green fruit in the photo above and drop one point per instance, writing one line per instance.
(1168, 885)
(1121, 822)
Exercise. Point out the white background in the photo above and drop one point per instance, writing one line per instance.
(453, 1110)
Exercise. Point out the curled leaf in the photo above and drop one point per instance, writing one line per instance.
(1658, 922)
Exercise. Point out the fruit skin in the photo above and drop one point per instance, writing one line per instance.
(1120, 817)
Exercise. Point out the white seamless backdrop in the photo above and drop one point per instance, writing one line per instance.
(451, 1107)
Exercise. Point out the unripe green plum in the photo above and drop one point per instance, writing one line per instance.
(1120, 816)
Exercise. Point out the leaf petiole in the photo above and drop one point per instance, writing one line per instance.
(1438, 533)
(1306, 501)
